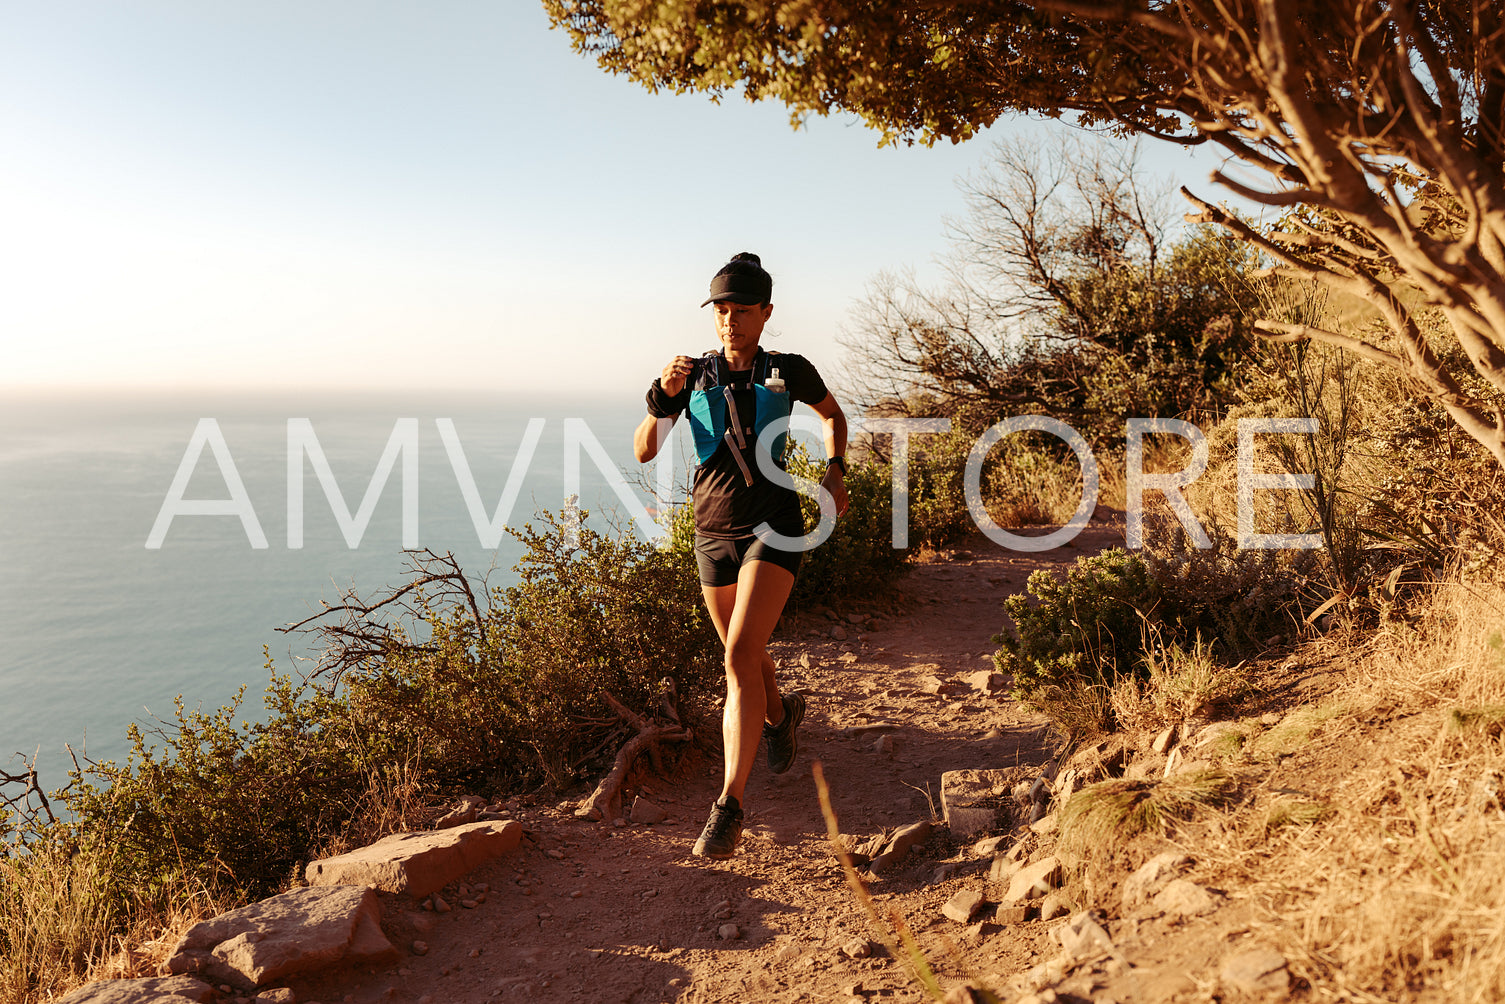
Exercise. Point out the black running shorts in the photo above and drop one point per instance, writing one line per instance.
(720, 560)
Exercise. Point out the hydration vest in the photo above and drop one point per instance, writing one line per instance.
(713, 411)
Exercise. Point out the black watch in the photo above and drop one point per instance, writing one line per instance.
(838, 462)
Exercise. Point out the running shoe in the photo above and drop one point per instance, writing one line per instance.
(783, 743)
(722, 831)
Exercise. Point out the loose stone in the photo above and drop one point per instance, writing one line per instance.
(963, 905)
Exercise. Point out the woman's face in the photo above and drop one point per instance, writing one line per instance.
(740, 325)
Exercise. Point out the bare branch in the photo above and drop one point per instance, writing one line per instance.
(1277, 331)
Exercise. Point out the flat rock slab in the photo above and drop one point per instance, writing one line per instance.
(418, 863)
(300, 931)
(155, 990)
(1034, 880)
(963, 905)
(978, 801)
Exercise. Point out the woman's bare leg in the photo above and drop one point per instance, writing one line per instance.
(745, 615)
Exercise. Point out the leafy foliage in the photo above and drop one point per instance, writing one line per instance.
(1376, 126)
(858, 558)
(426, 692)
(226, 804)
(1085, 627)
(1082, 648)
(1067, 296)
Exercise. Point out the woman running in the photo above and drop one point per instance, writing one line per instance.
(733, 395)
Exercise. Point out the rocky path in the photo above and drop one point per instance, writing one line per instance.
(596, 912)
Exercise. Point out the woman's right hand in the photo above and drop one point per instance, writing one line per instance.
(675, 374)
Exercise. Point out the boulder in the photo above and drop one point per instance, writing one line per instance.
(1053, 906)
(1181, 898)
(857, 948)
(1003, 869)
(418, 863)
(1047, 823)
(466, 811)
(896, 848)
(1010, 914)
(156, 990)
(1083, 938)
(988, 846)
(987, 682)
(300, 931)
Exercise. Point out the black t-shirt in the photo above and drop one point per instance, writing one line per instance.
(727, 507)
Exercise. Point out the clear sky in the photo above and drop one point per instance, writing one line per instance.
(272, 194)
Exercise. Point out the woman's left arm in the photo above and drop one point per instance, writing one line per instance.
(835, 422)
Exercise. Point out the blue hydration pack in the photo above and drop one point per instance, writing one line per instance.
(713, 412)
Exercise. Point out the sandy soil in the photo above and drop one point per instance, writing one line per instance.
(593, 911)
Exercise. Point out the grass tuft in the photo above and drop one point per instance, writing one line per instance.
(1295, 730)
(1488, 720)
(1296, 812)
(1121, 809)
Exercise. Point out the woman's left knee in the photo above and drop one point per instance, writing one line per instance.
(744, 658)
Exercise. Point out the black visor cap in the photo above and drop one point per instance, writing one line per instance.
(740, 288)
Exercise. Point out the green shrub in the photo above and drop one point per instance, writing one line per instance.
(859, 558)
(226, 804)
(1241, 596)
(520, 700)
(433, 682)
(938, 511)
(1085, 628)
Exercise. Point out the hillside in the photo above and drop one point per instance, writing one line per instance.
(1334, 840)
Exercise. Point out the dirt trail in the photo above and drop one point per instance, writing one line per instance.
(589, 911)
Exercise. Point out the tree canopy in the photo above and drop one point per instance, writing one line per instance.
(1374, 127)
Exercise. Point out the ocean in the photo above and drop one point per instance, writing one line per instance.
(100, 629)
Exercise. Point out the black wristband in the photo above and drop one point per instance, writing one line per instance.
(838, 461)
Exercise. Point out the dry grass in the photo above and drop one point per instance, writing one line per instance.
(64, 921)
(1033, 488)
(1079, 710)
(1295, 731)
(393, 802)
(1114, 811)
(1388, 881)
(63, 925)
(1181, 684)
